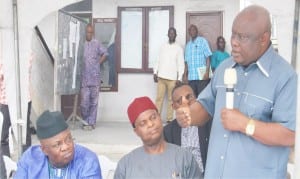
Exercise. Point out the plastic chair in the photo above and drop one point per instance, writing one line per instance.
(10, 166)
(108, 167)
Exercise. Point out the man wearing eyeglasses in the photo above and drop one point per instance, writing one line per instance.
(253, 139)
(57, 156)
(191, 138)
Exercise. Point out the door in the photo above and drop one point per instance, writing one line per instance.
(209, 24)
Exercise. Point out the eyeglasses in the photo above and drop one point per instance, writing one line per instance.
(242, 38)
(58, 145)
(189, 97)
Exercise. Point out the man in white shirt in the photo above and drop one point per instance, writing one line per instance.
(168, 69)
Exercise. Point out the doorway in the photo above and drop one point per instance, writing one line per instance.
(209, 24)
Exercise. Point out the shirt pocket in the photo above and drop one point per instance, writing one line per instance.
(258, 107)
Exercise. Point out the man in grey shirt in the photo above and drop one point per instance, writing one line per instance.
(156, 158)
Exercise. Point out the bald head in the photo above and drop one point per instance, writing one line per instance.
(256, 15)
(89, 32)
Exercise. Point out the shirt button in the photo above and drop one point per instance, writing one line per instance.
(246, 74)
(222, 157)
(225, 135)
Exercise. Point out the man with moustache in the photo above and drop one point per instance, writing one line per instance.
(252, 140)
(156, 158)
(57, 156)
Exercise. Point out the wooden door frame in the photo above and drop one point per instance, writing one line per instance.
(201, 13)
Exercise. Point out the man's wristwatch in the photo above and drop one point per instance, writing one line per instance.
(250, 128)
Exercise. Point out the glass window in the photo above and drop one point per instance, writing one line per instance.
(141, 32)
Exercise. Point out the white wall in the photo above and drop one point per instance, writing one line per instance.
(30, 13)
(113, 105)
(283, 11)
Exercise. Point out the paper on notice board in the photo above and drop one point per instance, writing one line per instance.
(65, 48)
(76, 40)
(72, 36)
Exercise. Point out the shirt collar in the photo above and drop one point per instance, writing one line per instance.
(263, 63)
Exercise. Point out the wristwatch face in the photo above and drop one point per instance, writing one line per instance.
(250, 129)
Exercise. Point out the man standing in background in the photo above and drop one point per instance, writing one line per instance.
(220, 54)
(197, 68)
(197, 62)
(94, 55)
(168, 70)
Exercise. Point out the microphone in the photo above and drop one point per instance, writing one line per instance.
(230, 79)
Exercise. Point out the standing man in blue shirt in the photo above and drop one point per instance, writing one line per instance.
(197, 62)
(252, 140)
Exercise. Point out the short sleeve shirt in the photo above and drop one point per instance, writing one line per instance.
(196, 53)
(90, 75)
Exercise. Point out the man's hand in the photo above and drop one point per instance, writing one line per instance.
(155, 78)
(206, 76)
(102, 59)
(183, 116)
(234, 120)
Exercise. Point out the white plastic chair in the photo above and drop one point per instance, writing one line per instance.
(108, 167)
(10, 165)
(290, 169)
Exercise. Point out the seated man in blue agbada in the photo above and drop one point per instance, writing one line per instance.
(57, 156)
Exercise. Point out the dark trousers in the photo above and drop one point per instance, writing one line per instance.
(204, 131)
(5, 129)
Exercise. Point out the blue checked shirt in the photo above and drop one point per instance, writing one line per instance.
(196, 53)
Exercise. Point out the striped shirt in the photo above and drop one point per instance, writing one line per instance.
(196, 53)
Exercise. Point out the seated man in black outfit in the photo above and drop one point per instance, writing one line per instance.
(193, 138)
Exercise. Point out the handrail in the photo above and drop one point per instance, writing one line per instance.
(39, 34)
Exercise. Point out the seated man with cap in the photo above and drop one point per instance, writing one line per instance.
(156, 158)
(57, 156)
